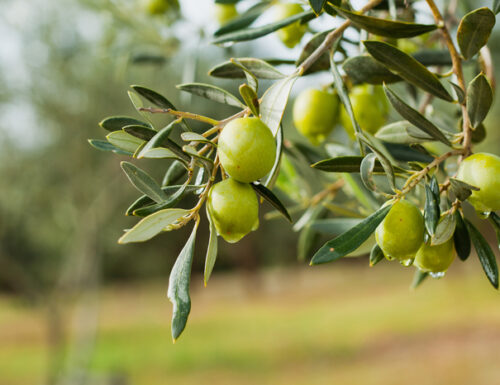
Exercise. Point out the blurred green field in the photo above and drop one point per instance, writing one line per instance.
(343, 324)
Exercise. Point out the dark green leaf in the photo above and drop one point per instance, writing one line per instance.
(178, 285)
(243, 20)
(175, 172)
(365, 69)
(433, 57)
(211, 255)
(259, 68)
(383, 27)
(250, 97)
(158, 139)
(143, 182)
(252, 80)
(376, 255)
(366, 171)
(461, 237)
(142, 132)
(418, 278)
(211, 92)
(255, 33)
(461, 189)
(344, 164)
(434, 185)
(269, 196)
(153, 97)
(485, 254)
(351, 239)
(124, 141)
(115, 123)
(415, 117)
(104, 145)
(459, 91)
(407, 67)
(317, 5)
(495, 220)
(479, 99)
(194, 137)
(474, 31)
(323, 63)
(169, 202)
(431, 210)
(444, 230)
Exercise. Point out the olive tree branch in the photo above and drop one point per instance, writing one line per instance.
(458, 71)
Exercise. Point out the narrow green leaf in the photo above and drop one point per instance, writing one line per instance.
(255, 33)
(178, 285)
(459, 91)
(485, 254)
(365, 69)
(124, 141)
(383, 27)
(351, 239)
(461, 237)
(169, 202)
(344, 164)
(415, 117)
(252, 80)
(273, 174)
(104, 145)
(461, 189)
(382, 154)
(152, 225)
(211, 255)
(274, 102)
(250, 97)
(269, 196)
(431, 210)
(323, 63)
(444, 230)
(138, 104)
(158, 139)
(211, 92)
(418, 278)
(399, 132)
(116, 123)
(243, 20)
(194, 137)
(474, 31)
(142, 132)
(202, 160)
(407, 67)
(479, 99)
(143, 182)
(366, 171)
(495, 220)
(259, 68)
(317, 5)
(174, 173)
(376, 255)
(496, 6)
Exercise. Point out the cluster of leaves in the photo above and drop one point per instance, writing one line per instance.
(373, 172)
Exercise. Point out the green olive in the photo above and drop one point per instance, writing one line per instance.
(401, 233)
(291, 34)
(159, 7)
(482, 170)
(225, 12)
(370, 108)
(247, 149)
(315, 114)
(234, 208)
(435, 259)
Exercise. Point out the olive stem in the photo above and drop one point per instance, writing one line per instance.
(458, 70)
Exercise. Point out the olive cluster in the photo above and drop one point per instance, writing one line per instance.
(246, 152)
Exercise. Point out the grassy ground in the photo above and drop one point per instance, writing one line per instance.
(339, 324)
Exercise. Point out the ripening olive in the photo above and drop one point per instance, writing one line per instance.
(435, 259)
(225, 12)
(482, 170)
(159, 7)
(315, 114)
(401, 233)
(291, 34)
(234, 208)
(247, 149)
(370, 108)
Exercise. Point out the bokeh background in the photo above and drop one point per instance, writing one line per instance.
(77, 308)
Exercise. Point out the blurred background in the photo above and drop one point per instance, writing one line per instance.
(77, 308)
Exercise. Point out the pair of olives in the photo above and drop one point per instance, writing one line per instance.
(316, 112)
(247, 152)
(160, 7)
(401, 233)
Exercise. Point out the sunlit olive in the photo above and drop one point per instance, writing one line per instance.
(291, 34)
(435, 259)
(224, 12)
(234, 209)
(482, 170)
(159, 7)
(315, 114)
(370, 107)
(401, 233)
(247, 149)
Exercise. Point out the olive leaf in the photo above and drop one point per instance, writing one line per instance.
(344, 164)
(211, 92)
(124, 141)
(178, 285)
(402, 132)
(461, 237)
(274, 173)
(376, 255)
(142, 132)
(479, 99)
(351, 239)
(444, 230)
(153, 96)
(158, 139)
(407, 67)
(245, 19)
(174, 173)
(461, 189)
(143, 182)
(383, 27)
(323, 63)
(415, 117)
(496, 6)
(250, 97)
(211, 255)
(474, 31)
(495, 220)
(365, 69)
(431, 210)
(269, 196)
(116, 123)
(418, 278)
(485, 254)
(232, 69)
(169, 202)
(255, 33)
(331, 226)
(382, 154)
(104, 145)
(366, 170)
(317, 5)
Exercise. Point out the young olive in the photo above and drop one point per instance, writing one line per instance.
(247, 149)
(224, 12)
(435, 259)
(291, 34)
(234, 208)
